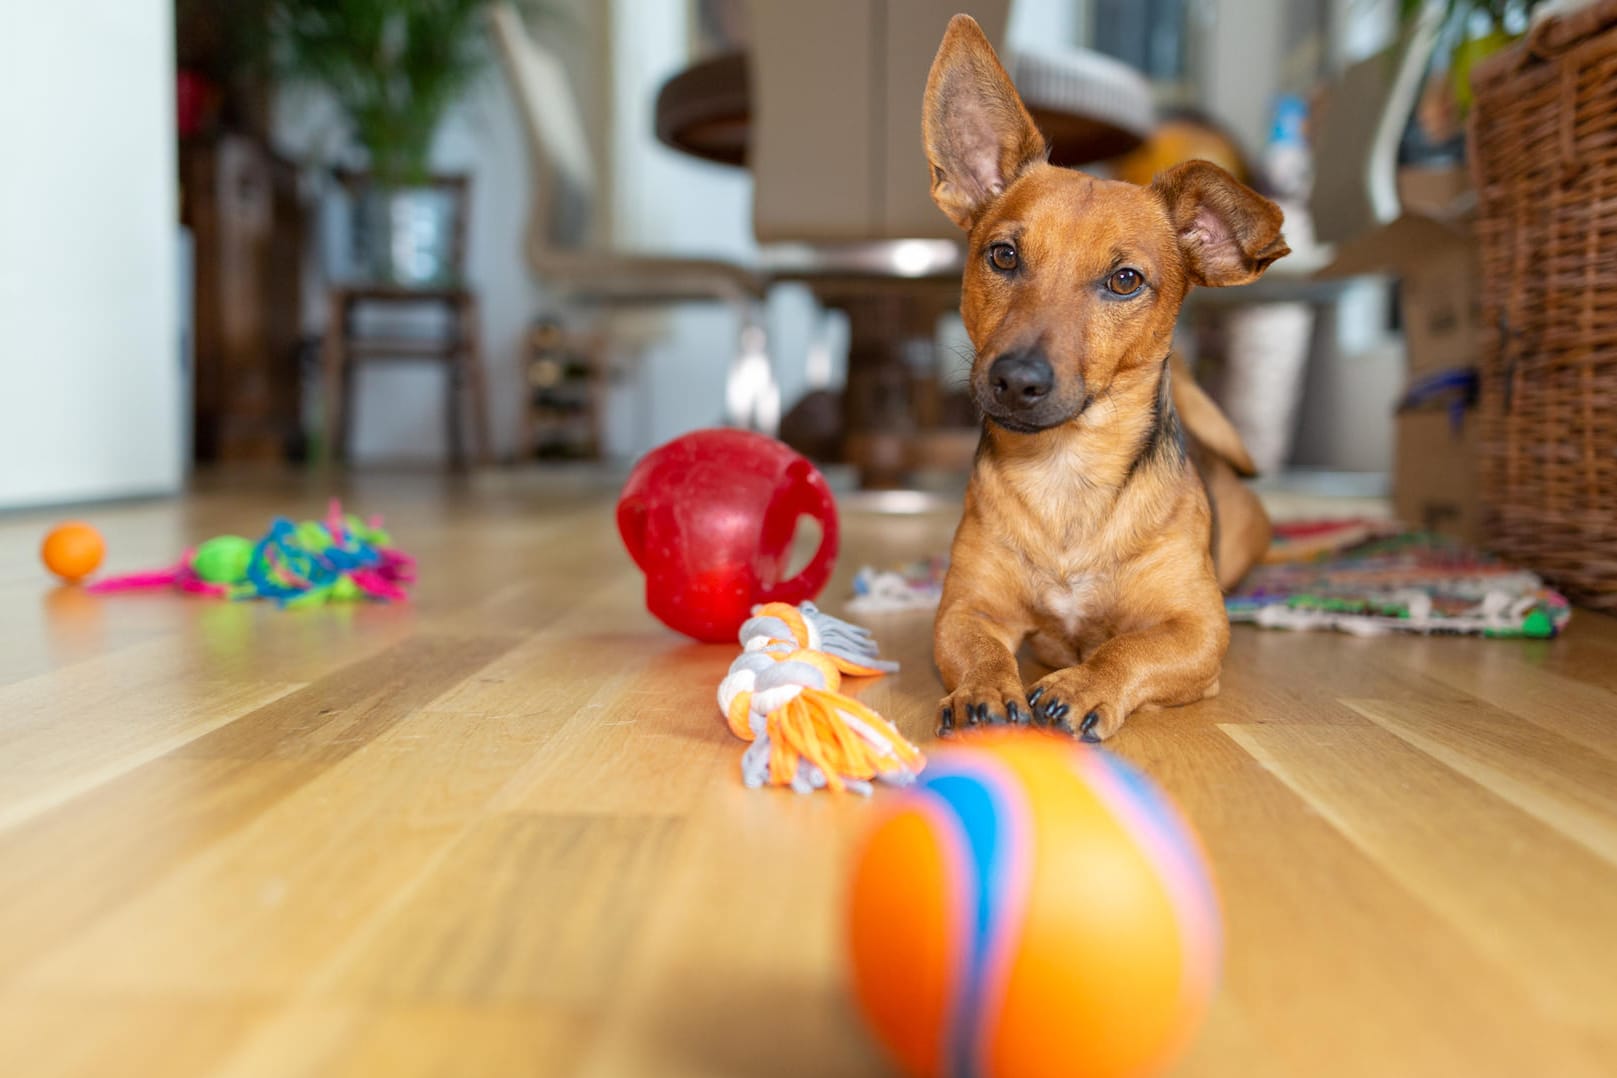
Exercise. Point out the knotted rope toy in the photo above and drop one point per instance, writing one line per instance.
(783, 695)
(339, 559)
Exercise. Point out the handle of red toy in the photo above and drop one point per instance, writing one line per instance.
(632, 527)
(822, 507)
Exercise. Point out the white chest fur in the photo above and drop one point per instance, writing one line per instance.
(1071, 602)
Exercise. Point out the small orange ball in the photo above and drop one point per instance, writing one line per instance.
(73, 550)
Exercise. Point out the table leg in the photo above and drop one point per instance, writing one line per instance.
(892, 391)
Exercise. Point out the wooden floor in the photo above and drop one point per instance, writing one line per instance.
(500, 831)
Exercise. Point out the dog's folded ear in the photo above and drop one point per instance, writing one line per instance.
(1229, 233)
(978, 134)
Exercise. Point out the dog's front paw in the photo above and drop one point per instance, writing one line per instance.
(974, 705)
(1076, 703)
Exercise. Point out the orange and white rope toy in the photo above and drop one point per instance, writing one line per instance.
(782, 694)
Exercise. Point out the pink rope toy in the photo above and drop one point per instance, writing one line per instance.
(339, 559)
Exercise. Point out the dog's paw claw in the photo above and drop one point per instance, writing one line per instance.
(1076, 703)
(970, 708)
(1033, 698)
(1052, 713)
(1087, 727)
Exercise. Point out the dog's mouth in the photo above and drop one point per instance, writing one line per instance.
(1023, 426)
(1038, 421)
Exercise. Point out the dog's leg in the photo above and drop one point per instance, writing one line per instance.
(976, 654)
(1176, 662)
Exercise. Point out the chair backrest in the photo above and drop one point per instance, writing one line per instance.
(564, 169)
(835, 135)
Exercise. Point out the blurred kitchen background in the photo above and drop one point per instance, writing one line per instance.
(444, 233)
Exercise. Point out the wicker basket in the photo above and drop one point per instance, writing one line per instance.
(1544, 154)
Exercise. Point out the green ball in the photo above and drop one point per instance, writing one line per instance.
(223, 559)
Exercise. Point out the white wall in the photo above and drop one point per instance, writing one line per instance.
(1242, 66)
(1048, 24)
(90, 377)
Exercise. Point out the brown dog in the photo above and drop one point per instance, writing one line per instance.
(1087, 529)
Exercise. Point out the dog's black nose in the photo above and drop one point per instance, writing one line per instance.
(1020, 379)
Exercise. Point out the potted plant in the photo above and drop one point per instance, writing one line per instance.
(394, 68)
(1472, 31)
(1451, 36)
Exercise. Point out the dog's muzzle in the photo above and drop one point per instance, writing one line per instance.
(1019, 393)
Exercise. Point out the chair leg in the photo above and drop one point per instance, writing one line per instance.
(349, 406)
(528, 433)
(595, 349)
(473, 380)
(334, 363)
(456, 376)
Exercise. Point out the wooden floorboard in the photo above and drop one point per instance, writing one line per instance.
(500, 830)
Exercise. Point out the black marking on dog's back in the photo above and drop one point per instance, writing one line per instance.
(1201, 460)
(1164, 441)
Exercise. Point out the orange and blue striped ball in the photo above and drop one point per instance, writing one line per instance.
(1033, 907)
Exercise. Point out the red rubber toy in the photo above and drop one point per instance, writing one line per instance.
(709, 518)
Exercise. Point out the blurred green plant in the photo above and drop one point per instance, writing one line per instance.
(393, 67)
(1499, 12)
(1472, 31)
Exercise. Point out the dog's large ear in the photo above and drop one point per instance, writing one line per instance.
(1228, 232)
(978, 134)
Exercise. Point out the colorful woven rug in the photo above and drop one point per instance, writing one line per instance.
(1401, 582)
(1360, 576)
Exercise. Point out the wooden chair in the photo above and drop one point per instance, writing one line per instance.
(458, 349)
(562, 248)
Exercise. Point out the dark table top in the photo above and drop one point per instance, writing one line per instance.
(1089, 106)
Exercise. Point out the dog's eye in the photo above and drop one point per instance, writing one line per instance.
(1002, 256)
(1125, 282)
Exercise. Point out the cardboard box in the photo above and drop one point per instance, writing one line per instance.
(1435, 256)
(1441, 300)
(1414, 223)
(1444, 193)
(1435, 483)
